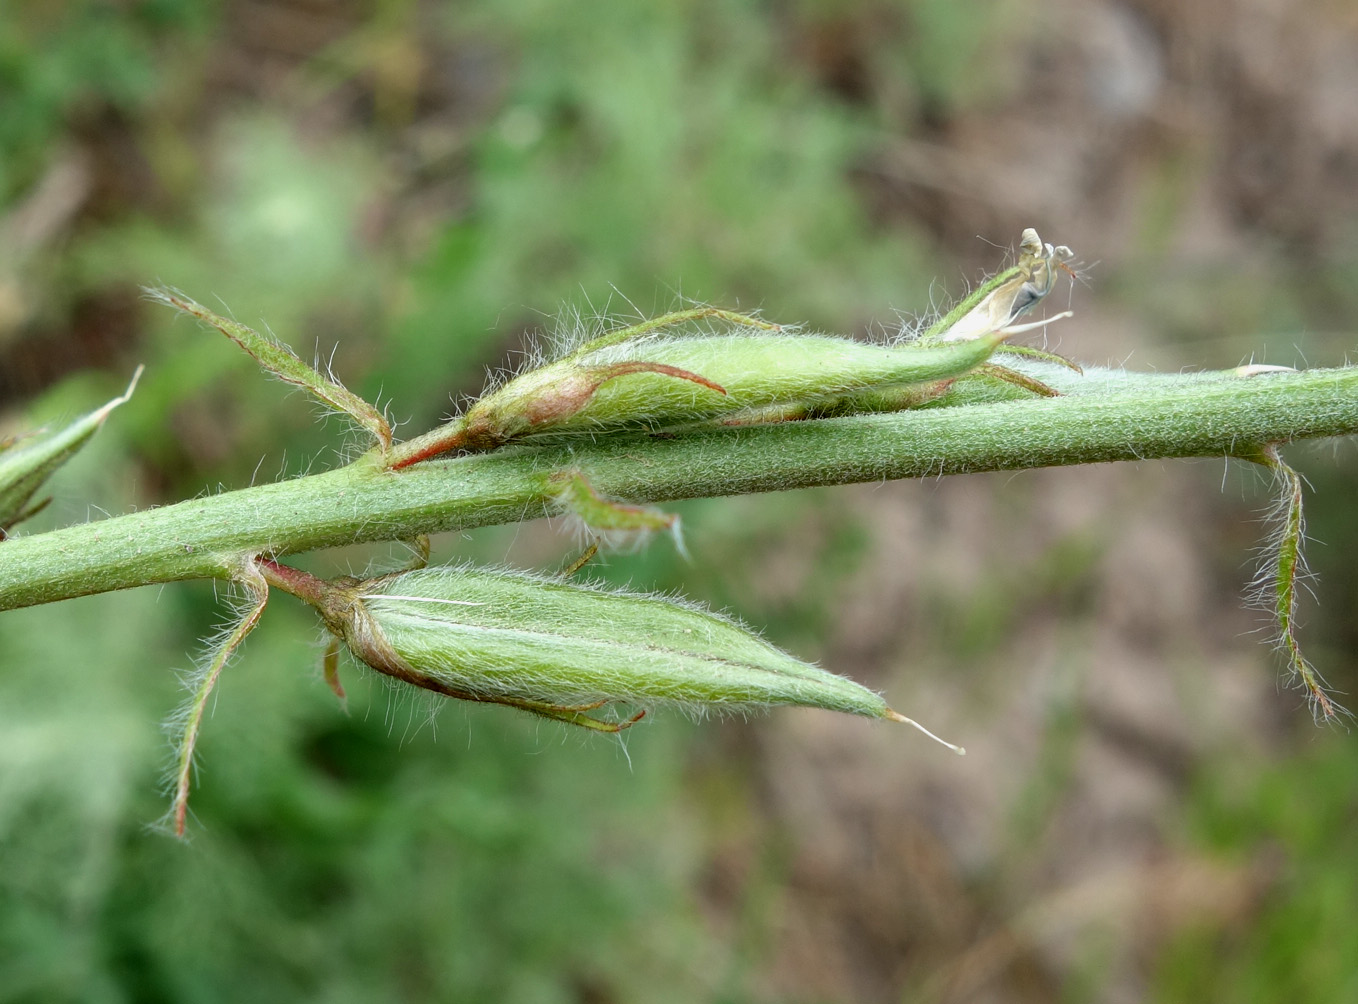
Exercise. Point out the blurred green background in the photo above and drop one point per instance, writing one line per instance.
(411, 190)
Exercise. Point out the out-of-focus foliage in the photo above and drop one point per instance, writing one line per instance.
(62, 61)
(1297, 820)
(411, 185)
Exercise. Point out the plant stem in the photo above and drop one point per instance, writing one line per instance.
(1102, 416)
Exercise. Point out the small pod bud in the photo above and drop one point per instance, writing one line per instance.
(615, 525)
(560, 649)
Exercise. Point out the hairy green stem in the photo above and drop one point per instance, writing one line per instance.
(1102, 416)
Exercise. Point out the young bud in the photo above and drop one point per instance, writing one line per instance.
(560, 649)
(615, 525)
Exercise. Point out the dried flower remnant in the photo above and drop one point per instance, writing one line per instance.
(1006, 297)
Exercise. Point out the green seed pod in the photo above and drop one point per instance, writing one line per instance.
(877, 400)
(657, 383)
(642, 378)
(560, 649)
(662, 383)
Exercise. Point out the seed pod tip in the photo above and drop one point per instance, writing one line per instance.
(896, 716)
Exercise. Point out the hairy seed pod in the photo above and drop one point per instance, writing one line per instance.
(661, 383)
(560, 649)
(644, 378)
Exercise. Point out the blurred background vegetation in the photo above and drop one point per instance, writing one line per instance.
(413, 189)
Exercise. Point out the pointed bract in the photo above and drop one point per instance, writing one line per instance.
(24, 468)
(283, 363)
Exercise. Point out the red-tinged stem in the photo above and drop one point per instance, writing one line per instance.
(303, 585)
(444, 439)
